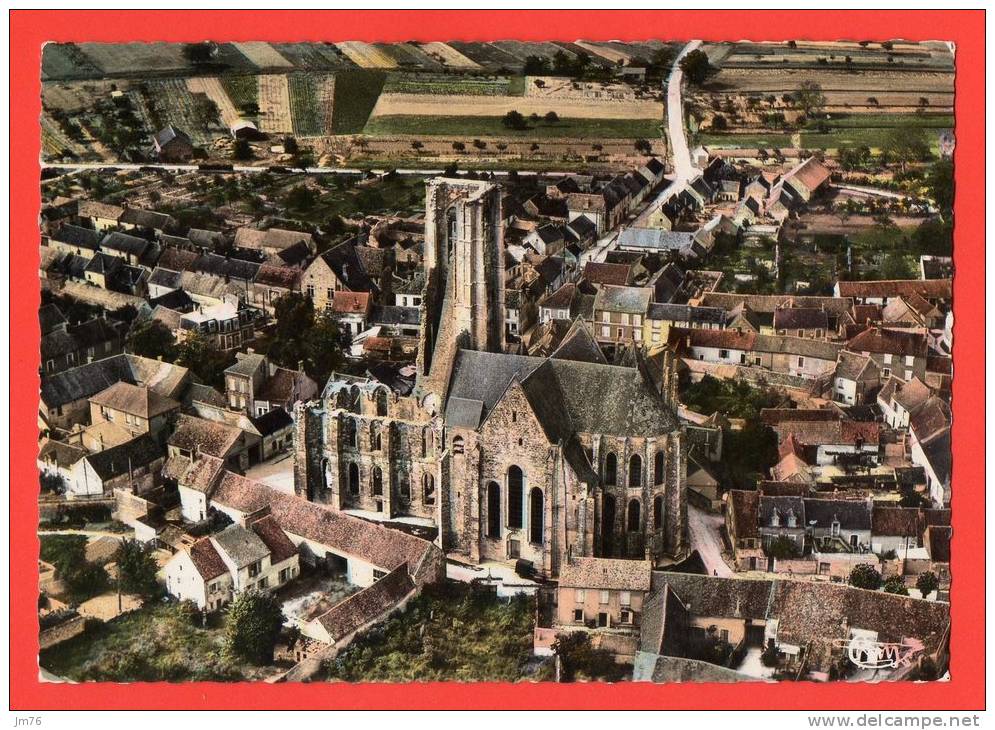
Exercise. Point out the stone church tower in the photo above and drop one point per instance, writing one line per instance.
(464, 270)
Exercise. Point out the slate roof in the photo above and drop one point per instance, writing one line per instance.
(345, 263)
(177, 259)
(145, 218)
(852, 514)
(243, 547)
(782, 506)
(276, 419)
(768, 303)
(84, 381)
(141, 451)
(281, 277)
(938, 452)
(804, 346)
(578, 344)
(561, 298)
(77, 236)
(169, 133)
(656, 239)
(607, 574)
(96, 209)
(714, 597)
(796, 318)
(852, 366)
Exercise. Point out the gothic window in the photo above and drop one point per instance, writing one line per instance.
(536, 516)
(607, 526)
(516, 497)
(377, 479)
(632, 516)
(381, 397)
(349, 427)
(458, 445)
(428, 489)
(658, 512)
(493, 509)
(354, 478)
(426, 441)
(403, 485)
(376, 439)
(658, 468)
(635, 471)
(611, 468)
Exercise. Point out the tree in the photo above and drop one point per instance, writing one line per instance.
(940, 183)
(865, 576)
(927, 583)
(198, 53)
(896, 266)
(514, 120)
(416, 145)
(896, 584)
(719, 122)
(696, 67)
(137, 568)
(153, 339)
(810, 98)
(301, 198)
(906, 143)
(207, 361)
(50, 482)
(459, 146)
(782, 548)
(323, 345)
(242, 150)
(252, 626)
(290, 145)
(83, 580)
(643, 146)
(578, 659)
(552, 117)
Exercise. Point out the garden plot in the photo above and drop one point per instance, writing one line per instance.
(65, 61)
(313, 56)
(496, 106)
(211, 86)
(274, 104)
(447, 84)
(448, 56)
(263, 55)
(409, 55)
(366, 55)
(242, 90)
(169, 102)
(558, 87)
(305, 112)
(127, 59)
(488, 55)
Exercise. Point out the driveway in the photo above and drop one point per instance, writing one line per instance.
(705, 533)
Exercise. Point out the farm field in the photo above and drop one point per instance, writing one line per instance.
(305, 110)
(366, 55)
(169, 101)
(355, 95)
(129, 59)
(313, 56)
(488, 106)
(448, 84)
(483, 126)
(448, 56)
(263, 55)
(745, 141)
(214, 90)
(274, 104)
(66, 61)
(409, 55)
(847, 54)
(242, 90)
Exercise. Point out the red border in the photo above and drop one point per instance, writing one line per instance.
(30, 29)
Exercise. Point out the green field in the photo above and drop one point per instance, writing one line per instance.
(305, 111)
(356, 93)
(774, 139)
(472, 126)
(242, 90)
(463, 85)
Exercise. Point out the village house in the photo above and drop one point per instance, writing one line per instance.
(898, 399)
(172, 145)
(217, 568)
(902, 352)
(935, 291)
(256, 385)
(135, 408)
(337, 269)
(228, 325)
(619, 312)
(352, 310)
(856, 379)
(101, 216)
(271, 283)
(133, 466)
(661, 317)
(65, 346)
(271, 241)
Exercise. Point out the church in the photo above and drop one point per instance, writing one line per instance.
(508, 457)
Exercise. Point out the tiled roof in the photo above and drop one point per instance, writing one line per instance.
(616, 274)
(607, 574)
(203, 436)
(140, 452)
(206, 559)
(744, 505)
(366, 606)
(795, 318)
(134, 399)
(927, 288)
(889, 341)
(243, 547)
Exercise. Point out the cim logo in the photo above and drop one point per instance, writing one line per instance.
(868, 654)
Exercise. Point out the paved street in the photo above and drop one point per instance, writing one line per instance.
(704, 530)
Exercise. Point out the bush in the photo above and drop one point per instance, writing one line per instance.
(578, 659)
(137, 568)
(253, 623)
(927, 583)
(865, 576)
(896, 584)
(769, 657)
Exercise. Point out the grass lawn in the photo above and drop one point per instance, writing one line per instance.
(446, 634)
(774, 139)
(473, 126)
(155, 643)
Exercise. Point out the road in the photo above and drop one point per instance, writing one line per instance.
(704, 530)
(680, 154)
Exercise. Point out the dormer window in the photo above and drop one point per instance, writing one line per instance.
(792, 520)
(775, 519)
(836, 527)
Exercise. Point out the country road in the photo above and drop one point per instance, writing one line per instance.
(680, 153)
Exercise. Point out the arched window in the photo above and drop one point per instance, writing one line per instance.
(537, 516)
(658, 512)
(381, 397)
(516, 496)
(376, 440)
(354, 399)
(377, 480)
(635, 471)
(458, 446)
(428, 488)
(632, 516)
(611, 468)
(349, 432)
(324, 473)
(426, 441)
(354, 478)
(607, 526)
(493, 509)
(658, 468)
